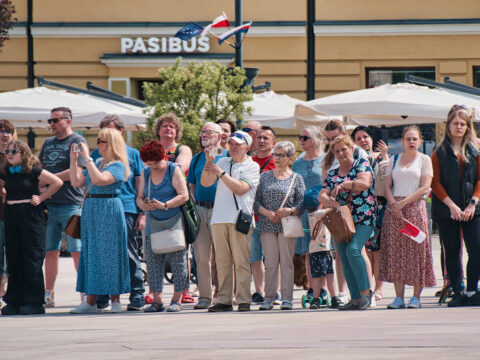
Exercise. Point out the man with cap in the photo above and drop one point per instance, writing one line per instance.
(237, 178)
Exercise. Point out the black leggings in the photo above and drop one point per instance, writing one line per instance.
(450, 237)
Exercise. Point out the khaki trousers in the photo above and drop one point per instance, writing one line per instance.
(202, 249)
(278, 250)
(232, 251)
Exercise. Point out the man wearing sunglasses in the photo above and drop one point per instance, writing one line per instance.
(237, 178)
(252, 128)
(55, 157)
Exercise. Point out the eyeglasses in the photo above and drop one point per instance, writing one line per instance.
(12, 151)
(56, 120)
(303, 138)
(280, 155)
(207, 132)
(100, 141)
(5, 132)
(247, 130)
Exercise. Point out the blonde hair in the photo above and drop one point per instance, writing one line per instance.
(116, 150)
(330, 156)
(470, 135)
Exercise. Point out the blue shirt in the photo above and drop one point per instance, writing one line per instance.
(194, 175)
(127, 192)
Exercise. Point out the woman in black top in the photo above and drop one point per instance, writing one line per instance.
(25, 223)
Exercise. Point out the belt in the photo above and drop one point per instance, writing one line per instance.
(101, 195)
(205, 204)
(16, 202)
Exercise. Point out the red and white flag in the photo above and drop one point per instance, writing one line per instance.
(413, 232)
(240, 29)
(220, 21)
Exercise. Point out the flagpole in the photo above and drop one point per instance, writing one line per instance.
(238, 43)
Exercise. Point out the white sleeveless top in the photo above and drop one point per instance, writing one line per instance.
(406, 180)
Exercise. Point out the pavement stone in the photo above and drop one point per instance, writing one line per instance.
(378, 333)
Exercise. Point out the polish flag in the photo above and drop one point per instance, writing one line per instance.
(413, 232)
(240, 29)
(220, 21)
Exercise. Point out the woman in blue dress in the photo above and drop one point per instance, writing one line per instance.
(103, 267)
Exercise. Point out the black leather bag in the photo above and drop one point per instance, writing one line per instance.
(244, 222)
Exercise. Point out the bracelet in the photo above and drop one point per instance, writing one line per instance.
(89, 159)
(166, 206)
(292, 211)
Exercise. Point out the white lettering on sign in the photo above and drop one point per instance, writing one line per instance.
(154, 45)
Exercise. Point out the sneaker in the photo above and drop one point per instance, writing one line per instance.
(83, 297)
(84, 308)
(315, 304)
(267, 305)
(278, 299)
(323, 295)
(343, 297)
(457, 300)
(473, 300)
(136, 304)
(31, 309)
(219, 307)
(243, 307)
(335, 302)
(397, 303)
(257, 298)
(373, 301)
(286, 305)
(414, 303)
(174, 307)
(116, 307)
(309, 293)
(202, 304)
(49, 298)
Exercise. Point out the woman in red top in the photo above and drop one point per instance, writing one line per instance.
(456, 193)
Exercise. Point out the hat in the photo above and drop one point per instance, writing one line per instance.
(310, 198)
(241, 137)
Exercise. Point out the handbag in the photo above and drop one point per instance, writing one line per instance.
(292, 225)
(320, 236)
(340, 222)
(72, 228)
(191, 220)
(165, 235)
(244, 220)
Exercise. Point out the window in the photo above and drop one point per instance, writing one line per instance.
(476, 76)
(381, 76)
(139, 87)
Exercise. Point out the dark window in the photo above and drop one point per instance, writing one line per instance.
(139, 87)
(381, 76)
(476, 76)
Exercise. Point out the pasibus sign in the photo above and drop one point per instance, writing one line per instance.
(164, 45)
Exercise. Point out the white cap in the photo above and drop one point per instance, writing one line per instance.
(241, 137)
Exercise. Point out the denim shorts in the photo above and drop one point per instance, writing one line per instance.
(256, 252)
(58, 216)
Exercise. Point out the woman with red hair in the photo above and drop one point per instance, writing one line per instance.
(162, 191)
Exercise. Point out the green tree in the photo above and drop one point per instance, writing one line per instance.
(196, 93)
(7, 9)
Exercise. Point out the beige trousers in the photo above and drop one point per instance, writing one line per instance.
(232, 253)
(278, 250)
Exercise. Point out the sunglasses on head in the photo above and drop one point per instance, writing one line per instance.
(12, 151)
(303, 138)
(56, 120)
(238, 135)
(100, 141)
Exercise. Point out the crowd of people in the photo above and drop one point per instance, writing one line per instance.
(250, 192)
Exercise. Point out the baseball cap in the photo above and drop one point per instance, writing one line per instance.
(241, 137)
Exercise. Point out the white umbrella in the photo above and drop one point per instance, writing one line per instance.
(31, 107)
(389, 105)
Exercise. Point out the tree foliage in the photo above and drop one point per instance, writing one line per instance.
(7, 9)
(196, 93)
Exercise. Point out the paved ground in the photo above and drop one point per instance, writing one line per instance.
(434, 332)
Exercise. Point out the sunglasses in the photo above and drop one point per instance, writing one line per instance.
(56, 120)
(247, 130)
(303, 138)
(100, 141)
(12, 151)
(280, 155)
(5, 132)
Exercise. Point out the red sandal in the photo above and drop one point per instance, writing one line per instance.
(187, 298)
(149, 299)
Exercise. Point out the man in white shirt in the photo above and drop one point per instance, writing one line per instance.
(237, 178)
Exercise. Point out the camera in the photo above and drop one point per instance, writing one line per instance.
(76, 148)
(216, 151)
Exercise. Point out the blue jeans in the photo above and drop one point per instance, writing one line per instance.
(3, 269)
(353, 264)
(256, 251)
(58, 216)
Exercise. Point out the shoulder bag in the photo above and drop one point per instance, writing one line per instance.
(72, 228)
(165, 235)
(320, 236)
(340, 222)
(244, 220)
(292, 225)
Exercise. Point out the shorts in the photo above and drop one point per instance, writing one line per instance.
(256, 251)
(321, 264)
(58, 216)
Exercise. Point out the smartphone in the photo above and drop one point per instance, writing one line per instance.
(76, 148)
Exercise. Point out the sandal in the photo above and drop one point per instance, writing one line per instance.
(187, 298)
(155, 307)
(149, 299)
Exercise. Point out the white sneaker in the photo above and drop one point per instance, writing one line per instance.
(373, 302)
(49, 299)
(84, 308)
(116, 307)
(343, 297)
(398, 303)
(414, 303)
(83, 297)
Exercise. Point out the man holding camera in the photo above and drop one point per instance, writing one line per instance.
(210, 137)
(237, 179)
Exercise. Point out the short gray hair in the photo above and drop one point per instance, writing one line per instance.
(286, 146)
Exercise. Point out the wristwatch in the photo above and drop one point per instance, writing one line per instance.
(166, 206)
(223, 173)
(472, 201)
